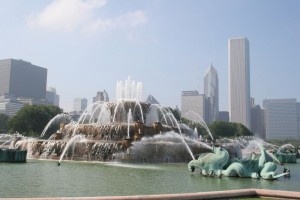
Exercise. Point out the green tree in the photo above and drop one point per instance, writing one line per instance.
(193, 124)
(175, 113)
(242, 130)
(228, 129)
(31, 120)
(222, 129)
(3, 123)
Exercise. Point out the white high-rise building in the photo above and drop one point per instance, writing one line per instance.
(211, 92)
(192, 101)
(79, 104)
(239, 81)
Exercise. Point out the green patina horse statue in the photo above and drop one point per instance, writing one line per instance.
(218, 163)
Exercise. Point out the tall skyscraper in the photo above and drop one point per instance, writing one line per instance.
(211, 92)
(101, 96)
(22, 79)
(79, 104)
(239, 81)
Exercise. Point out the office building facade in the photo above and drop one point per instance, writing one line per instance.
(9, 105)
(258, 122)
(282, 118)
(22, 79)
(52, 97)
(192, 101)
(211, 93)
(101, 96)
(239, 81)
(224, 116)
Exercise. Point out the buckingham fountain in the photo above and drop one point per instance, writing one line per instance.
(127, 129)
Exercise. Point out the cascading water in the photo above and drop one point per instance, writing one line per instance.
(196, 133)
(129, 122)
(82, 118)
(282, 148)
(119, 110)
(167, 147)
(61, 118)
(69, 143)
(104, 115)
(5, 142)
(191, 115)
(179, 129)
(129, 91)
(137, 103)
(29, 144)
(152, 115)
(157, 113)
(258, 143)
(100, 104)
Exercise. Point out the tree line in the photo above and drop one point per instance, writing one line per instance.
(29, 120)
(218, 129)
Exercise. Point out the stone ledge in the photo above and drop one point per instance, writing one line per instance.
(244, 193)
(277, 194)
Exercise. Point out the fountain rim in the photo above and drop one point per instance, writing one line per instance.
(245, 193)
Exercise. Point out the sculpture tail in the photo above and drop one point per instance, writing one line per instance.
(280, 175)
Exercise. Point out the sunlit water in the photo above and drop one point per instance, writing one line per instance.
(38, 178)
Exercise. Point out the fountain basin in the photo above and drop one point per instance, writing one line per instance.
(104, 179)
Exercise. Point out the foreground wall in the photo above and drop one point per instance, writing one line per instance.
(245, 193)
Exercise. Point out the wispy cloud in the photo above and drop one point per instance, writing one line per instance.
(131, 19)
(81, 15)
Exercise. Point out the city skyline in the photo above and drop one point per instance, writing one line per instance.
(167, 45)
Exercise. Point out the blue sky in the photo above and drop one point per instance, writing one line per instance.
(88, 45)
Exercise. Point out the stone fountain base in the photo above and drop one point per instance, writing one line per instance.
(125, 150)
(108, 142)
